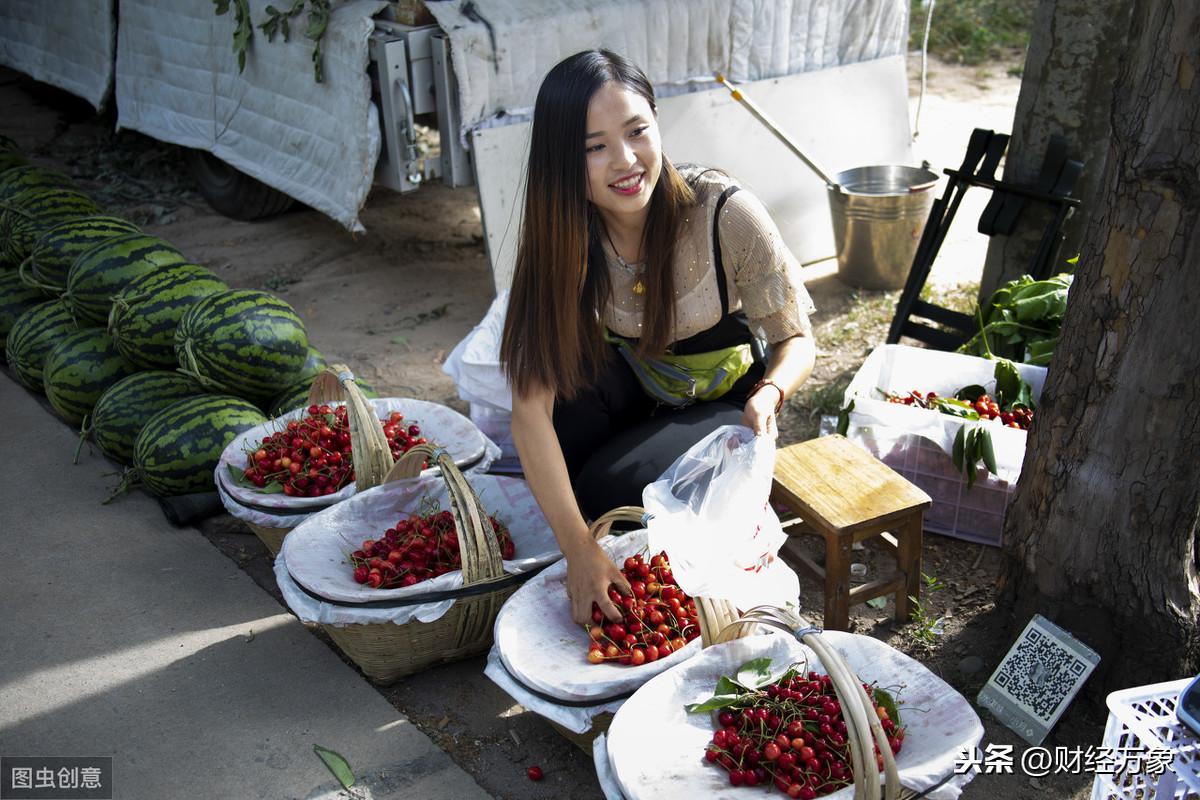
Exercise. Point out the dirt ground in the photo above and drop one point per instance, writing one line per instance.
(392, 303)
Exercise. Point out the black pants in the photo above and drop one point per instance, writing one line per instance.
(616, 439)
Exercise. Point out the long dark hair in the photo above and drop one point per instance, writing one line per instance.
(553, 333)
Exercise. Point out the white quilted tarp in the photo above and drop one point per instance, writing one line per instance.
(675, 42)
(65, 43)
(177, 80)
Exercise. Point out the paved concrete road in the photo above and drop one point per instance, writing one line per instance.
(125, 637)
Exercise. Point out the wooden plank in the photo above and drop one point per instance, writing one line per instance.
(834, 483)
(881, 588)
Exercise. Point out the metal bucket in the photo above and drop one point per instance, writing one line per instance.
(878, 214)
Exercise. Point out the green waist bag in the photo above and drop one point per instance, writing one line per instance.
(680, 381)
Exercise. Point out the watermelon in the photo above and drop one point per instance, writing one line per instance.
(31, 213)
(179, 447)
(79, 369)
(146, 312)
(314, 365)
(15, 180)
(296, 396)
(242, 342)
(125, 407)
(52, 255)
(105, 269)
(15, 299)
(33, 335)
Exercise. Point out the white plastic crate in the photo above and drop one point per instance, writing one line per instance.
(1144, 718)
(975, 514)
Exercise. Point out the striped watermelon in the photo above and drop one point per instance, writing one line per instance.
(297, 395)
(15, 180)
(179, 447)
(105, 269)
(125, 407)
(52, 255)
(314, 365)
(15, 299)
(79, 369)
(33, 335)
(243, 342)
(146, 312)
(31, 213)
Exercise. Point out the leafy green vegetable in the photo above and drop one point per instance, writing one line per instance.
(1022, 320)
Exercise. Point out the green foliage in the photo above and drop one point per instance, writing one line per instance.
(278, 22)
(1022, 320)
(925, 628)
(972, 31)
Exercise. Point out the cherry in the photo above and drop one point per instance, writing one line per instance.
(534, 773)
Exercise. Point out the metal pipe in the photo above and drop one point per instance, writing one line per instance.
(773, 128)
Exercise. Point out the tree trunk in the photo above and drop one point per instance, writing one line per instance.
(1101, 536)
(1075, 47)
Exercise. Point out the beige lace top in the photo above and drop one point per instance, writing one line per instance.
(762, 275)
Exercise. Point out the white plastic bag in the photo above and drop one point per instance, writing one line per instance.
(710, 513)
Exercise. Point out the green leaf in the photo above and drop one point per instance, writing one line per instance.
(843, 419)
(712, 703)
(222, 6)
(986, 449)
(753, 674)
(1008, 382)
(970, 457)
(885, 699)
(959, 448)
(970, 393)
(336, 764)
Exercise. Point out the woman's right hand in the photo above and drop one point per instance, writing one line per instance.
(589, 574)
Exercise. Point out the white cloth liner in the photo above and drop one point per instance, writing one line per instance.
(177, 80)
(474, 363)
(646, 764)
(710, 513)
(441, 425)
(900, 369)
(318, 550)
(542, 647)
(675, 42)
(70, 44)
(326, 575)
(574, 718)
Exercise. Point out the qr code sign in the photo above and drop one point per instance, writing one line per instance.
(1039, 673)
(1038, 678)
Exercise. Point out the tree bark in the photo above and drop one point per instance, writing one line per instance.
(1075, 47)
(1102, 533)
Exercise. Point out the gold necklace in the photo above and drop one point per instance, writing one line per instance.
(635, 269)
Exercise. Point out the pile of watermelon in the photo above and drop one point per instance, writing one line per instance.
(157, 360)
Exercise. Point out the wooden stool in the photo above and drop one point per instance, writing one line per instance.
(843, 493)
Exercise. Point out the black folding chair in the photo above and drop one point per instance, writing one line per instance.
(1054, 185)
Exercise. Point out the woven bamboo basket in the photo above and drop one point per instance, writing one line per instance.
(370, 451)
(386, 652)
(714, 616)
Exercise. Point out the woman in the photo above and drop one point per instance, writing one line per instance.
(626, 268)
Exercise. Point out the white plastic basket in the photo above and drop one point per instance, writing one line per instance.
(1144, 718)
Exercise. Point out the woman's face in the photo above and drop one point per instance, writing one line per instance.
(624, 150)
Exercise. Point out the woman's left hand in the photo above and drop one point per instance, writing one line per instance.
(759, 413)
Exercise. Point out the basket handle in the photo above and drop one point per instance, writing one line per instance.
(481, 559)
(863, 727)
(369, 446)
(712, 614)
(602, 526)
